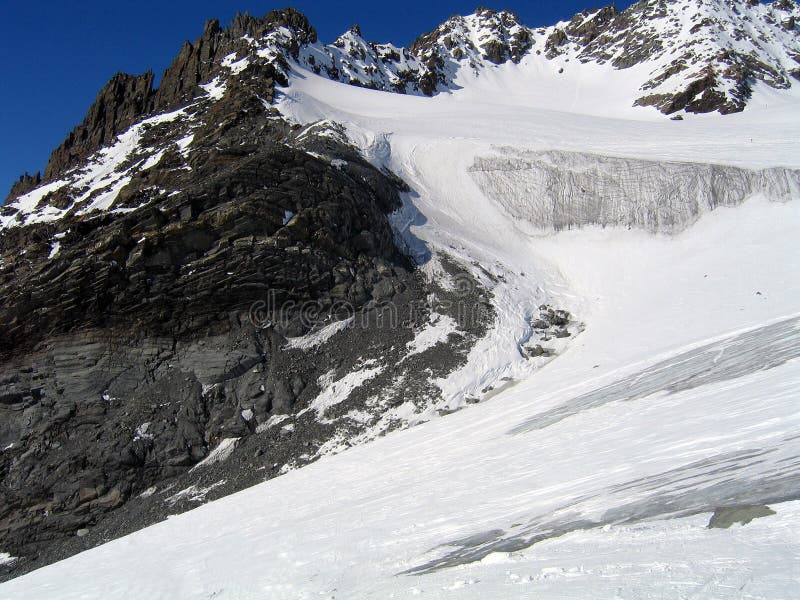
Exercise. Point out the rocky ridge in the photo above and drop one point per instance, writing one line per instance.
(697, 55)
(183, 293)
(431, 63)
(693, 56)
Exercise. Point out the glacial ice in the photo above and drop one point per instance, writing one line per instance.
(557, 190)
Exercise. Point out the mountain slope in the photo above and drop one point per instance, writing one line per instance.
(699, 55)
(202, 283)
(256, 266)
(693, 55)
(559, 483)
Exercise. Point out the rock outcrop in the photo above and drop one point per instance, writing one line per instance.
(127, 98)
(121, 102)
(23, 185)
(704, 55)
(192, 275)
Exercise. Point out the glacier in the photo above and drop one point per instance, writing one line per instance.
(595, 475)
(562, 190)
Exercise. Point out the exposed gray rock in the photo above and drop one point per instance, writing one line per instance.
(160, 329)
(121, 101)
(126, 98)
(24, 184)
(726, 517)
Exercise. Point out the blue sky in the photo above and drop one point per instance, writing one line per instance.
(55, 55)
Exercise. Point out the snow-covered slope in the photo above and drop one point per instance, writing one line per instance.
(430, 65)
(693, 56)
(593, 472)
(95, 186)
(697, 55)
(595, 475)
(435, 145)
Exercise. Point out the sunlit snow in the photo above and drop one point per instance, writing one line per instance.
(592, 476)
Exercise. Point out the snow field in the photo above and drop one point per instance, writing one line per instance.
(619, 488)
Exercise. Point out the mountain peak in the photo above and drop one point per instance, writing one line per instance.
(484, 36)
(695, 56)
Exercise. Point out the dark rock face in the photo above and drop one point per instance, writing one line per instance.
(96, 465)
(153, 266)
(557, 39)
(121, 102)
(700, 96)
(133, 369)
(127, 98)
(175, 279)
(138, 337)
(193, 65)
(199, 62)
(726, 517)
(24, 185)
(587, 30)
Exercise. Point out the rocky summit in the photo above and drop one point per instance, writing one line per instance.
(196, 288)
